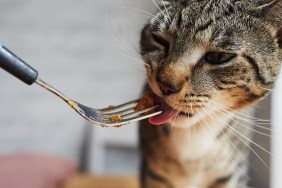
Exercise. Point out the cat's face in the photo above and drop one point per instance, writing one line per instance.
(207, 53)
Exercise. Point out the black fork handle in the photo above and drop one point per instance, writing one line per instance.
(16, 66)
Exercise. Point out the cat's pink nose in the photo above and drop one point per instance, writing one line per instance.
(167, 88)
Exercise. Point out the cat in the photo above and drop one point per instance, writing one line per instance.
(207, 62)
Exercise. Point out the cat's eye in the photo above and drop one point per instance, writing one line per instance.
(160, 40)
(217, 58)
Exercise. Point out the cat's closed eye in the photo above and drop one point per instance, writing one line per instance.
(161, 41)
(217, 58)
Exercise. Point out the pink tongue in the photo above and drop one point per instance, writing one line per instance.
(164, 117)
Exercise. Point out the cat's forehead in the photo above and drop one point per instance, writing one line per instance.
(200, 15)
(208, 22)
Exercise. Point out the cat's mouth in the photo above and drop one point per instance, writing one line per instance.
(168, 113)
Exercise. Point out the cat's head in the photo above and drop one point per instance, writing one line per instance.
(204, 53)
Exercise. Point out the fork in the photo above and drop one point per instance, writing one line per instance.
(112, 116)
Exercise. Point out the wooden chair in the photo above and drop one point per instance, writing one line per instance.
(88, 181)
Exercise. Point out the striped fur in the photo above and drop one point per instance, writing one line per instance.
(207, 145)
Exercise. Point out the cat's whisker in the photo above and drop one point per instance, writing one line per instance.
(116, 35)
(206, 124)
(257, 119)
(160, 9)
(230, 128)
(191, 107)
(190, 104)
(239, 123)
(225, 112)
(173, 123)
(229, 140)
(166, 11)
(260, 125)
(254, 119)
(141, 68)
(139, 61)
(256, 124)
(248, 139)
(187, 127)
(237, 112)
(216, 139)
(149, 14)
(123, 44)
(207, 129)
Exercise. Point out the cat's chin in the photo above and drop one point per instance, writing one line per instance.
(183, 121)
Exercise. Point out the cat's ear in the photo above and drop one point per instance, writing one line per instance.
(273, 15)
(271, 11)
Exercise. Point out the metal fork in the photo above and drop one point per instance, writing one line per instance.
(112, 116)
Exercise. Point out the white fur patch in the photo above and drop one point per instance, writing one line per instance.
(199, 133)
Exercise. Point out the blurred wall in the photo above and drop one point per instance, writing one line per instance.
(276, 162)
(84, 48)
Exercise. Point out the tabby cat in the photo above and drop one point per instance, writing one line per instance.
(208, 62)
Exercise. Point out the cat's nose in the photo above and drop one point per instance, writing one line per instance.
(167, 88)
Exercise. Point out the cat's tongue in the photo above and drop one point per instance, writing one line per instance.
(167, 114)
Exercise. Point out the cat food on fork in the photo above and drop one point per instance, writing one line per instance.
(116, 118)
(146, 101)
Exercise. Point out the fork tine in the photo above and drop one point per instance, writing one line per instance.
(117, 113)
(139, 112)
(113, 108)
(138, 118)
(109, 123)
(124, 113)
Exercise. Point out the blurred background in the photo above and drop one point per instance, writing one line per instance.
(88, 49)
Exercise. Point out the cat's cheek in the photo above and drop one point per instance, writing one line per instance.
(238, 99)
(154, 86)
